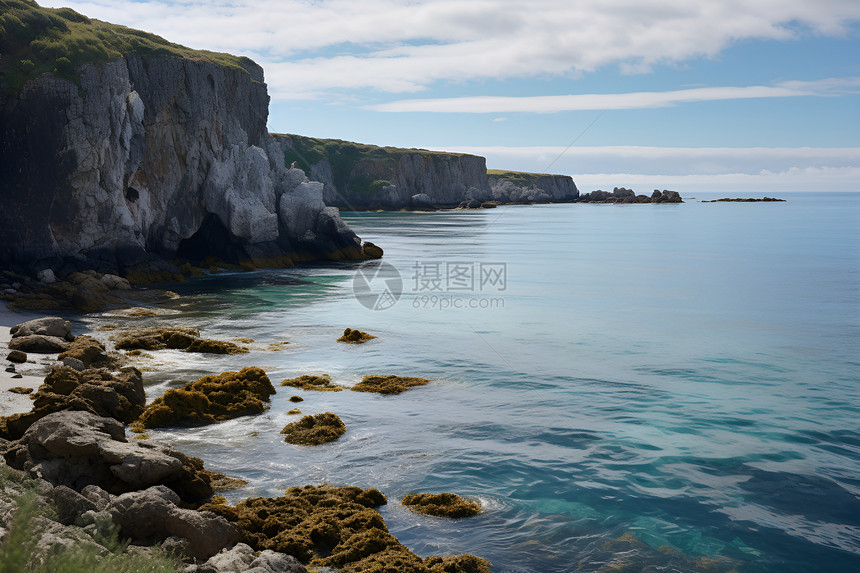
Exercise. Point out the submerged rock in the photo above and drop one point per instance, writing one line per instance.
(351, 336)
(314, 430)
(441, 505)
(210, 399)
(313, 382)
(388, 384)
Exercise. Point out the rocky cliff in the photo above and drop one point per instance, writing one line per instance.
(132, 150)
(518, 187)
(359, 176)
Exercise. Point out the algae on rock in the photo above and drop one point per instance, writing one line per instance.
(176, 338)
(314, 430)
(320, 382)
(388, 384)
(210, 399)
(441, 505)
(351, 336)
(327, 526)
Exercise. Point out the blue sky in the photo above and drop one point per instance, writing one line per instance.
(727, 95)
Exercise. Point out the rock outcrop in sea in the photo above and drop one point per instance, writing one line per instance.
(138, 151)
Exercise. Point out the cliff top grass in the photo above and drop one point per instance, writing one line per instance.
(36, 40)
(519, 178)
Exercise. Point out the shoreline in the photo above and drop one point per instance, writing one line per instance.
(33, 371)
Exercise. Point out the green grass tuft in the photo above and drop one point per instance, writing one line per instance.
(36, 40)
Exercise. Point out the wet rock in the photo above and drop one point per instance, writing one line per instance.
(20, 389)
(371, 251)
(153, 514)
(17, 356)
(120, 396)
(296, 399)
(441, 505)
(73, 363)
(351, 336)
(314, 430)
(79, 449)
(294, 412)
(320, 382)
(48, 326)
(211, 399)
(470, 204)
(388, 384)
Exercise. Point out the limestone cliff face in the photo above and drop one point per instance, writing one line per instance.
(155, 155)
(358, 176)
(509, 187)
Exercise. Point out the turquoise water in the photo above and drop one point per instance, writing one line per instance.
(685, 373)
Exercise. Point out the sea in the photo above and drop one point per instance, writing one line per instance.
(670, 387)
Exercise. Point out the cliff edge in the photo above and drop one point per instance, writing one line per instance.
(119, 150)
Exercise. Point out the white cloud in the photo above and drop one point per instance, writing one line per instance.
(699, 169)
(634, 100)
(403, 46)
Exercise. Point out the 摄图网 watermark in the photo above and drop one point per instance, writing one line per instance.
(438, 285)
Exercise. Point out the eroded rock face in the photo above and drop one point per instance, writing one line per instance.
(133, 161)
(537, 189)
(78, 449)
(152, 515)
(99, 392)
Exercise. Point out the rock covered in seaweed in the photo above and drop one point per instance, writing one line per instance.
(441, 505)
(314, 430)
(210, 399)
(327, 526)
(321, 382)
(388, 384)
(351, 336)
(176, 338)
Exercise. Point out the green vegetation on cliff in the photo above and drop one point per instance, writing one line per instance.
(343, 156)
(36, 40)
(518, 178)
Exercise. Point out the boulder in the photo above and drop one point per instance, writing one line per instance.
(115, 282)
(99, 392)
(69, 504)
(17, 356)
(46, 277)
(53, 326)
(79, 449)
(39, 344)
(153, 514)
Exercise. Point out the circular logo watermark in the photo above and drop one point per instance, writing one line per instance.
(377, 285)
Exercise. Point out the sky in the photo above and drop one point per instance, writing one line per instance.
(707, 95)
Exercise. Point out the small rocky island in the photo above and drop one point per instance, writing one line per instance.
(622, 195)
(745, 200)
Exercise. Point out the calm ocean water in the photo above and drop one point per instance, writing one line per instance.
(687, 374)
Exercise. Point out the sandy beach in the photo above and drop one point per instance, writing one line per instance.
(33, 371)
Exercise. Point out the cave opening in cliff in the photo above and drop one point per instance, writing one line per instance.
(212, 239)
